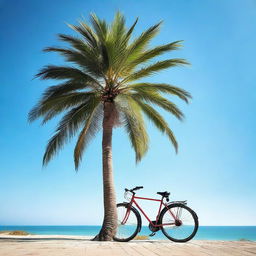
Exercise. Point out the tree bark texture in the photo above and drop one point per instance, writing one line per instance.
(109, 225)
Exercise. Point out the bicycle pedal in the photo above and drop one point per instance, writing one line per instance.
(152, 234)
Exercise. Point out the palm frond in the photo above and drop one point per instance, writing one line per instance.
(64, 72)
(64, 88)
(91, 127)
(137, 46)
(129, 32)
(117, 29)
(50, 107)
(152, 53)
(67, 128)
(159, 122)
(89, 61)
(76, 43)
(158, 66)
(140, 43)
(134, 125)
(116, 41)
(87, 33)
(165, 88)
(100, 26)
(157, 99)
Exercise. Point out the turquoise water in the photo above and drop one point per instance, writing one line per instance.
(204, 232)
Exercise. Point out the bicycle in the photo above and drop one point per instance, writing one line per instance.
(174, 225)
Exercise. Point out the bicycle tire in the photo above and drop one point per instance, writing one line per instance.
(137, 230)
(193, 214)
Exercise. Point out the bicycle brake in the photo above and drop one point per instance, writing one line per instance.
(152, 234)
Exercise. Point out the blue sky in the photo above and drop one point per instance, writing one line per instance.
(215, 167)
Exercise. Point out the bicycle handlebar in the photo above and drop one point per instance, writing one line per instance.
(137, 188)
(133, 189)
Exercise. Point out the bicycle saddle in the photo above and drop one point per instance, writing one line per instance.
(164, 194)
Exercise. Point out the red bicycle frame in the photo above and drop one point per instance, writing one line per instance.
(158, 215)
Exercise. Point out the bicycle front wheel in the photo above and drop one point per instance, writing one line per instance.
(179, 222)
(128, 223)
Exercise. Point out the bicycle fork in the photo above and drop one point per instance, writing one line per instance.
(127, 214)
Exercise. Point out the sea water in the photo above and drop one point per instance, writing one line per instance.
(231, 233)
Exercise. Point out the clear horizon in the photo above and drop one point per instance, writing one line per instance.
(215, 167)
(99, 225)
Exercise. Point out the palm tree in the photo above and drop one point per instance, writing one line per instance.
(99, 90)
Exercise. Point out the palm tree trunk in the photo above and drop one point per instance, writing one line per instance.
(110, 213)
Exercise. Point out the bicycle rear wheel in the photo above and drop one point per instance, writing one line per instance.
(128, 221)
(179, 222)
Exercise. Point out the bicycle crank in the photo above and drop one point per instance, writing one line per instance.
(153, 228)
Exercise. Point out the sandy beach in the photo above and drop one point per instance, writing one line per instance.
(55, 245)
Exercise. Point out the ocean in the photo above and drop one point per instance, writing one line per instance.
(227, 233)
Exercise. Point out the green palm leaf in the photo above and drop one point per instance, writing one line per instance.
(155, 98)
(134, 125)
(90, 61)
(87, 33)
(158, 66)
(136, 47)
(152, 53)
(91, 127)
(159, 122)
(139, 44)
(64, 72)
(50, 107)
(67, 128)
(100, 27)
(165, 88)
(64, 88)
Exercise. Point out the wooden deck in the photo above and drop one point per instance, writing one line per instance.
(68, 246)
